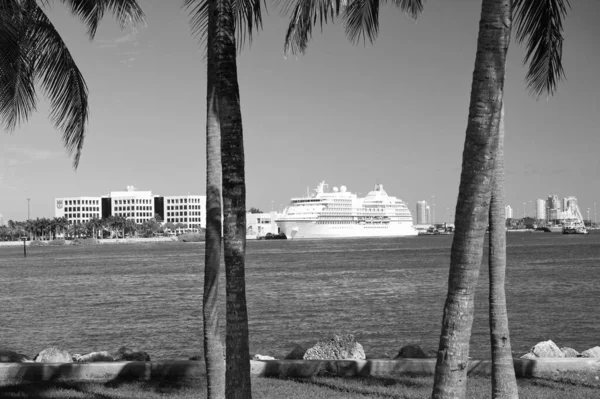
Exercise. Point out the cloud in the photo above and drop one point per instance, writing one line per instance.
(116, 42)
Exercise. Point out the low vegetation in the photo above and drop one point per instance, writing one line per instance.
(556, 386)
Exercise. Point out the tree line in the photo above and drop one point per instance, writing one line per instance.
(109, 227)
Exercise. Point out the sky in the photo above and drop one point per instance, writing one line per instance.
(394, 113)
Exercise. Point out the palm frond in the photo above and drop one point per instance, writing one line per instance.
(362, 17)
(17, 89)
(304, 14)
(128, 13)
(540, 23)
(248, 19)
(62, 81)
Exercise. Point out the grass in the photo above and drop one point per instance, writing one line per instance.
(557, 386)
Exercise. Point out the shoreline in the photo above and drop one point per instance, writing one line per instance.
(104, 241)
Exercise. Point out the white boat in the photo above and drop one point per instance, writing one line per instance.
(340, 213)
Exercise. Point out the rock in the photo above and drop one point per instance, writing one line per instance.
(262, 357)
(338, 346)
(125, 353)
(592, 352)
(547, 349)
(529, 355)
(53, 355)
(297, 353)
(411, 352)
(103, 356)
(13, 357)
(570, 352)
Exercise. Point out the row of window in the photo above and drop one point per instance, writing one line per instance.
(132, 201)
(82, 202)
(82, 215)
(184, 220)
(133, 208)
(82, 208)
(180, 207)
(184, 201)
(147, 215)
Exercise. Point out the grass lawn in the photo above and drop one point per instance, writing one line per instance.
(567, 385)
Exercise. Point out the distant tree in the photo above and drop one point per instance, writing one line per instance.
(255, 210)
(158, 218)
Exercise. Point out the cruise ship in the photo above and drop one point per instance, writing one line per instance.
(340, 213)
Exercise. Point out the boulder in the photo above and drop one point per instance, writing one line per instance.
(128, 354)
(411, 352)
(103, 356)
(262, 357)
(53, 355)
(297, 353)
(547, 349)
(529, 355)
(13, 357)
(336, 347)
(592, 352)
(570, 352)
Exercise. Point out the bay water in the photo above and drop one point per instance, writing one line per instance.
(387, 292)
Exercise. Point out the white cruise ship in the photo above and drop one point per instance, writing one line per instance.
(341, 213)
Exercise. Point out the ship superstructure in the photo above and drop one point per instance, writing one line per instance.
(340, 213)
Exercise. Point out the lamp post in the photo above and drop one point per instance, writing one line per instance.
(588, 215)
(28, 200)
(595, 219)
(524, 210)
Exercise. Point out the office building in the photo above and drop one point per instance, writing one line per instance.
(139, 206)
(509, 212)
(423, 213)
(540, 209)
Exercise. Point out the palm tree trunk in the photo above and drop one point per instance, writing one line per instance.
(504, 382)
(472, 208)
(237, 375)
(213, 345)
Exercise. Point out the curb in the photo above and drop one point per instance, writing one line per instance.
(186, 370)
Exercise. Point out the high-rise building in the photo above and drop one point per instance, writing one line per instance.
(540, 209)
(422, 212)
(1, 220)
(553, 207)
(571, 202)
(509, 212)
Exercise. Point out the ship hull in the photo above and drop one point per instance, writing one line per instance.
(308, 230)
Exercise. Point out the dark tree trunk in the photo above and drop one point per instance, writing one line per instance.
(504, 382)
(213, 345)
(472, 208)
(237, 374)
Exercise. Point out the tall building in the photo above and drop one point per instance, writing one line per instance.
(571, 202)
(553, 207)
(422, 212)
(135, 205)
(509, 212)
(540, 209)
(1, 220)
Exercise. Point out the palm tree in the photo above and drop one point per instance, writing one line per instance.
(217, 22)
(32, 52)
(540, 22)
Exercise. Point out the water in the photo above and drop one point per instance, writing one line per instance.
(388, 292)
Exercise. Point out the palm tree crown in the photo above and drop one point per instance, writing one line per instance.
(32, 51)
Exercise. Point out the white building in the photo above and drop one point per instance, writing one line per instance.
(132, 204)
(540, 209)
(187, 209)
(259, 224)
(423, 213)
(509, 212)
(135, 205)
(1, 220)
(78, 210)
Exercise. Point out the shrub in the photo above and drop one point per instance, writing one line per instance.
(37, 243)
(57, 242)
